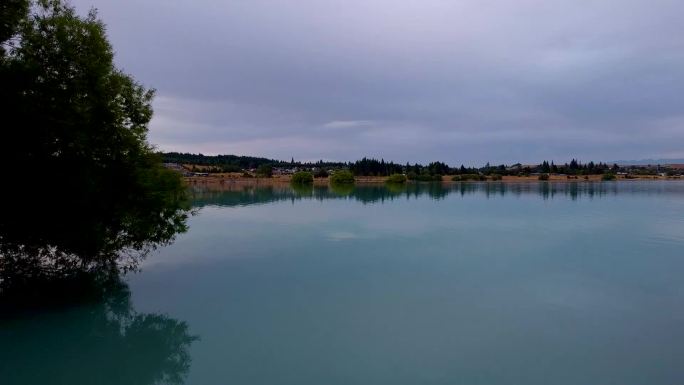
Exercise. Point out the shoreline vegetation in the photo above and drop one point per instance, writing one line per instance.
(236, 178)
(221, 169)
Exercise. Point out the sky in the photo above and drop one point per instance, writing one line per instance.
(464, 82)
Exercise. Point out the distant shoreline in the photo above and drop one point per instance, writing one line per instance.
(234, 178)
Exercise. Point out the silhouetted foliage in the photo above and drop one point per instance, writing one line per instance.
(438, 168)
(102, 197)
(575, 167)
(233, 162)
(374, 167)
(11, 14)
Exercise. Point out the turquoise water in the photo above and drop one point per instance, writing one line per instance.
(425, 284)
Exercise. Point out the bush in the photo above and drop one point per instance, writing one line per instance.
(608, 176)
(543, 176)
(496, 177)
(424, 177)
(396, 178)
(467, 177)
(247, 175)
(342, 177)
(302, 177)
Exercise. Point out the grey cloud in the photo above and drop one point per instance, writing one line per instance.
(420, 80)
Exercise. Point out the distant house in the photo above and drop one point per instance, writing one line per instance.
(284, 171)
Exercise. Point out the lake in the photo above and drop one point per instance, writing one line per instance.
(471, 283)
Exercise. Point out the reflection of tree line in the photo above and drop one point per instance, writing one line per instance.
(242, 195)
(85, 331)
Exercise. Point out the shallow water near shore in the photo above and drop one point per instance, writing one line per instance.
(458, 283)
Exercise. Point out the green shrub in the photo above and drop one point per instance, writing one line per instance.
(302, 177)
(424, 177)
(467, 177)
(342, 177)
(396, 178)
(543, 176)
(608, 176)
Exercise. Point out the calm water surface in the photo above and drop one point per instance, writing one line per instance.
(425, 284)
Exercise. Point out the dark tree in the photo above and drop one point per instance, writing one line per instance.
(373, 167)
(91, 193)
(12, 12)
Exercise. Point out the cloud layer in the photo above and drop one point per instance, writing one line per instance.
(410, 80)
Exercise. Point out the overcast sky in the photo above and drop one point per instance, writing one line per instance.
(421, 80)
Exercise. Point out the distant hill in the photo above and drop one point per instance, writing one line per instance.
(648, 161)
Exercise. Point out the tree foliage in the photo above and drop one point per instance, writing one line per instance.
(342, 177)
(92, 192)
(396, 178)
(374, 167)
(302, 177)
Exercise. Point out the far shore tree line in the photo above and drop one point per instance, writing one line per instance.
(430, 172)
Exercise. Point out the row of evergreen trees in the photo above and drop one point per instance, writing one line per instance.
(375, 167)
(576, 168)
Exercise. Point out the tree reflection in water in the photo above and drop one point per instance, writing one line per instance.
(96, 337)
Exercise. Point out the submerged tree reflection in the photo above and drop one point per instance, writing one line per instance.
(96, 337)
(241, 194)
